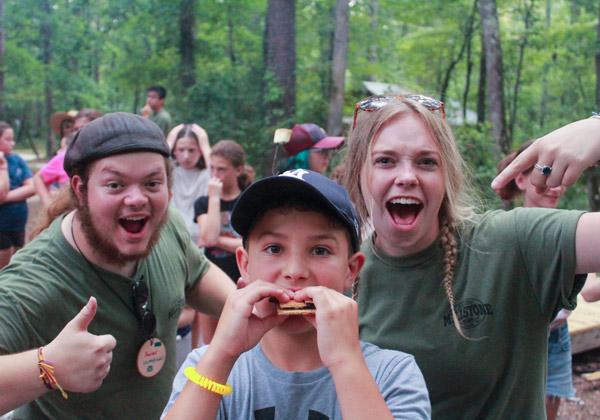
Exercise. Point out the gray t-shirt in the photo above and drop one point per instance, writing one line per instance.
(263, 391)
(188, 185)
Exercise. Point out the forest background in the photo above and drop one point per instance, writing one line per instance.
(508, 70)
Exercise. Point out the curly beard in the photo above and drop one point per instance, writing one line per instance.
(101, 243)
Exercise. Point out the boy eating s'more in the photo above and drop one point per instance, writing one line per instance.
(301, 243)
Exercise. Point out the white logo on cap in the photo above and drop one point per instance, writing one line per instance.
(296, 173)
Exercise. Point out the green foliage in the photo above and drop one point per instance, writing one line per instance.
(106, 52)
(481, 158)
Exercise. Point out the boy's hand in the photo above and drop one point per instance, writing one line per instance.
(336, 322)
(146, 111)
(240, 328)
(215, 188)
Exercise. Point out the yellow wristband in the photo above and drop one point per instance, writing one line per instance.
(204, 382)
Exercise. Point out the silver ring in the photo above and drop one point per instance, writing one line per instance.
(545, 170)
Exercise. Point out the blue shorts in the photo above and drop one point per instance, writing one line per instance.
(9, 239)
(560, 375)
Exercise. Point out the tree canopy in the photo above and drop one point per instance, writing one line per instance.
(70, 54)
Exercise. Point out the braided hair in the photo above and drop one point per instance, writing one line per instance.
(459, 202)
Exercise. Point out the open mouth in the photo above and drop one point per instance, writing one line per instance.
(404, 211)
(133, 224)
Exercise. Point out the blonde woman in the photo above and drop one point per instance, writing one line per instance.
(470, 295)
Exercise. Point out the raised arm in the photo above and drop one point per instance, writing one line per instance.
(41, 188)
(204, 143)
(229, 243)
(4, 179)
(591, 290)
(336, 321)
(173, 135)
(22, 193)
(81, 362)
(587, 243)
(569, 151)
(211, 292)
(210, 222)
(238, 331)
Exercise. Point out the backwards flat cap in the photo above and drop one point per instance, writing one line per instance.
(114, 134)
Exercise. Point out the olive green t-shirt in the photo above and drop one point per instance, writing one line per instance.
(47, 284)
(163, 119)
(515, 270)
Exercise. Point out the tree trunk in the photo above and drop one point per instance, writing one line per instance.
(373, 7)
(281, 61)
(186, 30)
(527, 18)
(340, 55)
(494, 70)
(575, 11)
(593, 177)
(469, 71)
(468, 33)
(326, 35)
(2, 57)
(544, 100)
(46, 33)
(481, 94)
(230, 33)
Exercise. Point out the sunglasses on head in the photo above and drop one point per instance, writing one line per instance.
(140, 303)
(373, 103)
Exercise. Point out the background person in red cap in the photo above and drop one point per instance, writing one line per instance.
(310, 148)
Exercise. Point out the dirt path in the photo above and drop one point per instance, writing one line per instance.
(588, 406)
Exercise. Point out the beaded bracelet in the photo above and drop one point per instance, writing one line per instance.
(204, 382)
(47, 374)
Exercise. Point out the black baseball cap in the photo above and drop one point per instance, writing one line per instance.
(310, 185)
(114, 134)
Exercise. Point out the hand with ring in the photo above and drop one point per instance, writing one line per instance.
(545, 170)
(559, 157)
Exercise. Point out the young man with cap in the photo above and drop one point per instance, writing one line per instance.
(311, 148)
(300, 243)
(117, 251)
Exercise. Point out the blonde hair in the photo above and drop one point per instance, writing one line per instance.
(459, 202)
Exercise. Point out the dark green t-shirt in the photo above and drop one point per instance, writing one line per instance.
(163, 120)
(515, 270)
(47, 284)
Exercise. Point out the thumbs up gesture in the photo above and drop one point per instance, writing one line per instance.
(81, 360)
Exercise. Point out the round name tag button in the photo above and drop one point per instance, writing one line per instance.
(151, 357)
